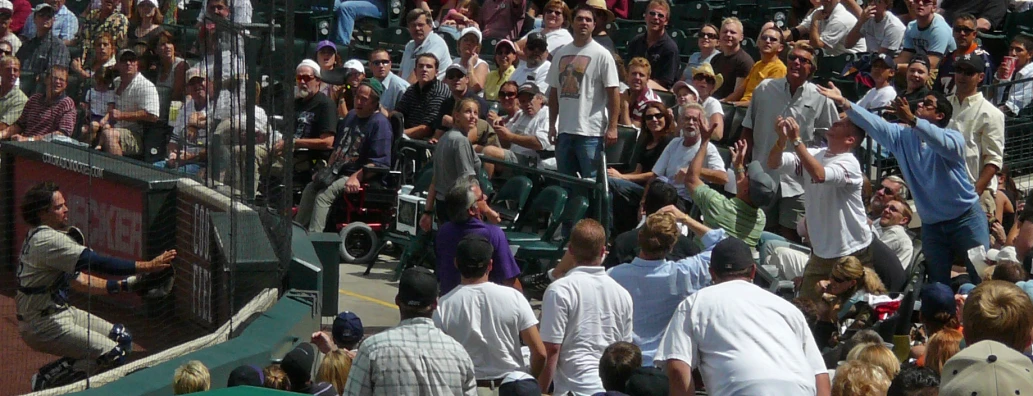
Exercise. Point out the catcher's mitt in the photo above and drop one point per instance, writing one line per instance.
(155, 285)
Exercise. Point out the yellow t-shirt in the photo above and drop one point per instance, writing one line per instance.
(763, 70)
(494, 81)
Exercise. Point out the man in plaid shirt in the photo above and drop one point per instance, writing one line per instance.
(415, 357)
(136, 101)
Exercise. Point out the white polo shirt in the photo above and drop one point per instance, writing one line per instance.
(584, 312)
(487, 319)
(745, 341)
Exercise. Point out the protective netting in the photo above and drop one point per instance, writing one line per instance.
(198, 110)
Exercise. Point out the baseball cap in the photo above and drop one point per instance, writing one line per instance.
(970, 62)
(326, 44)
(43, 6)
(246, 375)
(919, 58)
(731, 254)
(884, 60)
(455, 66)
(471, 30)
(298, 363)
(354, 66)
(375, 85)
(1007, 254)
(153, 2)
(6, 6)
(529, 87)
(937, 297)
(537, 40)
(474, 252)
(418, 288)
(311, 64)
(127, 52)
(683, 84)
(762, 186)
(501, 43)
(196, 72)
(987, 368)
(347, 328)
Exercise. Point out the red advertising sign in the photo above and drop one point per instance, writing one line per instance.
(110, 214)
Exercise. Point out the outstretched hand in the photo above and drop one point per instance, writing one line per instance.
(902, 109)
(834, 94)
(159, 263)
(739, 153)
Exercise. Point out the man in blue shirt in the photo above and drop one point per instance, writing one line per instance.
(463, 205)
(932, 161)
(363, 140)
(66, 24)
(656, 285)
(928, 34)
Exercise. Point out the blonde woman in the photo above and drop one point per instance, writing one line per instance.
(191, 377)
(335, 369)
(850, 283)
(876, 354)
(857, 378)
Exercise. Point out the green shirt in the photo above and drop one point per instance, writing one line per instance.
(736, 217)
(11, 106)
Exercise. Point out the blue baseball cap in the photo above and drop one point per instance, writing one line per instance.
(347, 328)
(936, 298)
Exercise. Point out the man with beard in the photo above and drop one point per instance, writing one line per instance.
(683, 149)
(536, 68)
(317, 115)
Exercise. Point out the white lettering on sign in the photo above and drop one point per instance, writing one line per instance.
(202, 294)
(73, 165)
(108, 228)
(201, 228)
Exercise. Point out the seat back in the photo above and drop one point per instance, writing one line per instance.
(550, 202)
(573, 212)
(667, 98)
(397, 121)
(514, 193)
(619, 154)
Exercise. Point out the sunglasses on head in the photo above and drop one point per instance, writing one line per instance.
(507, 95)
(653, 117)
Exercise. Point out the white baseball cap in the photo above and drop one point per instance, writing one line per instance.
(6, 5)
(153, 2)
(355, 65)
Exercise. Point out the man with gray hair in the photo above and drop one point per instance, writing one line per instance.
(680, 151)
(890, 188)
(527, 132)
(463, 206)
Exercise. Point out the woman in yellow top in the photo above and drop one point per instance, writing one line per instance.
(505, 59)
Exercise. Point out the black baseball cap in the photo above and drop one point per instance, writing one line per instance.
(474, 252)
(418, 288)
(972, 62)
(246, 375)
(731, 254)
(299, 362)
(536, 39)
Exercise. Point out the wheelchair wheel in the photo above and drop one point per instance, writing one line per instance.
(358, 243)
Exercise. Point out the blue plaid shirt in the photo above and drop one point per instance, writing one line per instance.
(66, 25)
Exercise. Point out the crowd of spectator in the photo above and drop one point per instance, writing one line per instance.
(703, 213)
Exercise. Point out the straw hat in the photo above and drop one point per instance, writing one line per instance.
(707, 70)
(600, 5)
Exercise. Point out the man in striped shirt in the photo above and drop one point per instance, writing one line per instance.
(422, 101)
(45, 114)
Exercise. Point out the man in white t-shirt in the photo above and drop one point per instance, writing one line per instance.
(881, 31)
(832, 182)
(535, 68)
(743, 340)
(681, 150)
(584, 99)
(582, 313)
(489, 320)
(881, 96)
(827, 29)
(527, 132)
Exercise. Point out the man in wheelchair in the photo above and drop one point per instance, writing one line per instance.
(363, 140)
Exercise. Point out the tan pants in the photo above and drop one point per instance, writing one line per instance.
(266, 162)
(819, 269)
(72, 333)
(130, 141)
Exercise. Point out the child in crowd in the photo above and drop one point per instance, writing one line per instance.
(191, 377)
(100, 100)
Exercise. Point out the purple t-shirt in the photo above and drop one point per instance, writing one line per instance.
(504, 267)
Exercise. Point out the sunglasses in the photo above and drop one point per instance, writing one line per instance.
(963, 30)
(797, 58)
(657, 14)
(704, 77)
(5, 52)
(770, 39)
(924, 2)
(838, 279)
(305, 79)
(381, 62)
(708, 36)
(653, 117)
(886, 190)
(507, 95)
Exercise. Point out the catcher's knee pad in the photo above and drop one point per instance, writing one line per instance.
(56, 373)
(121, 336)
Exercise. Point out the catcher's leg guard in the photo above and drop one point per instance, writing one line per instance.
(57, 373)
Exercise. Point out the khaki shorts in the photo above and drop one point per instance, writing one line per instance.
(130, 141)
(787, 210)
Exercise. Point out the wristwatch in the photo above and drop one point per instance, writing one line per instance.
(797, 142)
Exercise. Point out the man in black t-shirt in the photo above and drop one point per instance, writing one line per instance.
(316, 123)
(732, 63)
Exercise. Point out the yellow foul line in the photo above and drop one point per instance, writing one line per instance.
(368, 298)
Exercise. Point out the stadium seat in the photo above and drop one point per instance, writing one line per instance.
(618, 155)
(548, 204)
(512, 197)
(546, 249)
(668, 99)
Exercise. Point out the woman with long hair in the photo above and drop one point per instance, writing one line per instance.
(335, 369)
(145, 24)
(555, 20)
(172, 70)
(627, 188)
(942, 345)
(850, 283)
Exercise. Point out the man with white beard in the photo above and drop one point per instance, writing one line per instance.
(683, 149)
(317, 116)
